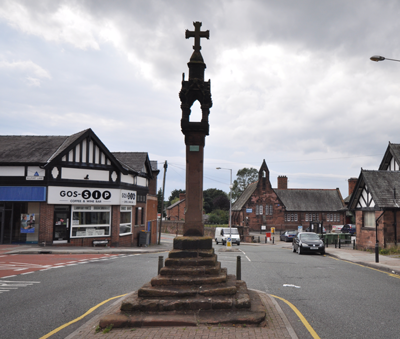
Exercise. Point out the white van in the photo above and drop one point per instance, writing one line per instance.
(222, 234)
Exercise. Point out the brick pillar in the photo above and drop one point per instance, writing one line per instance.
(352, 185)
(194, 184)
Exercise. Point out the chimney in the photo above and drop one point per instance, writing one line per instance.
(352, 185)
(282, 182)
(182, 196)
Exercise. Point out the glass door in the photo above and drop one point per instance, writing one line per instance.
(62, 216)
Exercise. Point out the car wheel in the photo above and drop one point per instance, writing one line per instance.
(293, 249)
(216, 241)
(299, 250)
(238, 243)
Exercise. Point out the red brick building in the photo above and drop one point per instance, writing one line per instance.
(375, 202)
(176, 212)
(71, 190)
(284, 208)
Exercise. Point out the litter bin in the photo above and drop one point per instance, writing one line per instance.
(143, 238)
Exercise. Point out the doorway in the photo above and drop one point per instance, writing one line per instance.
(62, 215)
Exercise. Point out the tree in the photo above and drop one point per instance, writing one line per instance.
(219, 217)
(208, 197)
(245, 177)
(175, 194)
(221, 202)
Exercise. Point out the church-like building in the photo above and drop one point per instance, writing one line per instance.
(284, 208)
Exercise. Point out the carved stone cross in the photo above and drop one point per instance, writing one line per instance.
(197, 34)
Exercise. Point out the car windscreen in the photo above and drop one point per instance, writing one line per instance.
(306, 236)
(292, 232)
(234, 231)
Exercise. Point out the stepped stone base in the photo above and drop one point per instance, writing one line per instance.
(191, 289)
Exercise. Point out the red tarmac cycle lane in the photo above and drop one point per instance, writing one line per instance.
(16, 264)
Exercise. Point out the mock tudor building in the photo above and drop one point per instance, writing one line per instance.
(376, 202)
(72, 190)
(284, 208)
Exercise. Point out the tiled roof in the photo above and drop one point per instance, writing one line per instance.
(381, 185)
(393, 150)
(310, 199)
(175, 204)
(239, 203)
(33, 148)
(133, 160)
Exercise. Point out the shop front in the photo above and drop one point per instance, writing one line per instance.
(19, 214)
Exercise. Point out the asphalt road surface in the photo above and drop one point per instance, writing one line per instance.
(338, 299)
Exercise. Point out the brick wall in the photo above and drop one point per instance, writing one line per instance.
(46, 223)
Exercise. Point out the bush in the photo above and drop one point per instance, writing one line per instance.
(219, 217)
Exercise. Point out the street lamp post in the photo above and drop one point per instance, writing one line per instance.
(381, 58)
(230, 202)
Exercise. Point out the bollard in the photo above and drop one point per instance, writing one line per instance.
(238, 268)
(339, 243)
(258, 239)
(160, 263)
(354, 244)
(335, 243)
(266, 239)
(377, 252)
(273, 240)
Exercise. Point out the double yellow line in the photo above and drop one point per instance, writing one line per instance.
(79, 318)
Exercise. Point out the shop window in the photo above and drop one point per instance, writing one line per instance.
(125, 223)
(91, 221)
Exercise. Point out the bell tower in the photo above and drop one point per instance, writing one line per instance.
(195, 88)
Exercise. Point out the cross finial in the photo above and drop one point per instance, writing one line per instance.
(197, 34)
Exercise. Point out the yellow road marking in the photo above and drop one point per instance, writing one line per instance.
(79, 318)
(301, 317)
(371, 268)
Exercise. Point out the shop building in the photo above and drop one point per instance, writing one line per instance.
(72, 190)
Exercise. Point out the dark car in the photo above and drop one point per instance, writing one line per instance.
(288, 236)
(308, 242)
(349, 228)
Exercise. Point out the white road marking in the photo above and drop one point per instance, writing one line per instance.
(6, 285)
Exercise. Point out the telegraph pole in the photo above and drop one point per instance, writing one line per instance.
(162, 202)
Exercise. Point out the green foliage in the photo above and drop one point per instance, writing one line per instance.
(218, 217)
(208, 197)
(390, 251)
(244, 177)
(175, 194)
(108, 328)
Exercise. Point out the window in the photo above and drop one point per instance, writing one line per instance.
(291, 217)
(270, 209)
(261, 210)
(125, 223)
(91, 221)
(369, 219)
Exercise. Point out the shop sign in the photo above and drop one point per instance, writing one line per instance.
(83, 196)
(128, 197)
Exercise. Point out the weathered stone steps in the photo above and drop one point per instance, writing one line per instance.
(189, 280)
(194, 261)
(192, 270)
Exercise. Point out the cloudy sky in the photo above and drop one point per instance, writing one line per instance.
(291, 81)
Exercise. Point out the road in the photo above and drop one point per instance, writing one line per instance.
(339, 299)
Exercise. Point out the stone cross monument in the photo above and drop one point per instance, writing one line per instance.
(195, 132)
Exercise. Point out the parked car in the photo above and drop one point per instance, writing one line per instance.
(349, 228)
(223, 233)
(288, 236)
(308, 242)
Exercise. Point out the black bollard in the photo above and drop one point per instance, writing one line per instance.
(335, 243)
(273, 240)
(238, 268)
(160, 263)
(354, 244)
(377, 252)
(339, 242)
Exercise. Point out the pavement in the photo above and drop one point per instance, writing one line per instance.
(277, 324)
